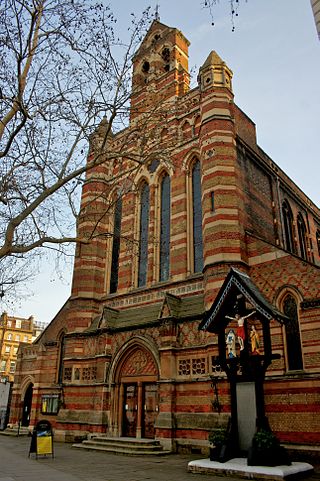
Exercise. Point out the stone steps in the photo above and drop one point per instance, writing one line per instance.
(15, 431)
(127, 446)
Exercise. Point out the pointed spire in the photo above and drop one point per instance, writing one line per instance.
(214, 73)
(212, 59)
(156, 14)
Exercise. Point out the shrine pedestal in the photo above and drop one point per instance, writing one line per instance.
(238, 467)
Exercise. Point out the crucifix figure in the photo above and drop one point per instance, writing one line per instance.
(241, 333)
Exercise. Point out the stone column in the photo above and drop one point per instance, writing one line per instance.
(140, 413)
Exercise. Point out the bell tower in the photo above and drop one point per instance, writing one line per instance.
(160, 68)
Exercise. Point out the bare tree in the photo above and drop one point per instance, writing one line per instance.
(233, 6)
(63, 73)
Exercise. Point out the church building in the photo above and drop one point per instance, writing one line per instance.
(207, 227)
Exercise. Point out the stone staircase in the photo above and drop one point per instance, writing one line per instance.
(126, 446)
(16, 431)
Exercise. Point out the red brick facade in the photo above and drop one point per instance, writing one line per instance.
(133, 362)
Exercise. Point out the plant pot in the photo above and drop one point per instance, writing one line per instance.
(219, 453)
(268, 457)
(215, 453)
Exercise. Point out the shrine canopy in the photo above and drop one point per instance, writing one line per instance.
(237, 291)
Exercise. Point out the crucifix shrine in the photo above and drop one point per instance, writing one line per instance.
(241, 316)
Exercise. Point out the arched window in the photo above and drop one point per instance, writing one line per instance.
(143, 237)
(186, 130)
(288, 227)
(318, 240)
(61, 357)
(293, 340)
(197, 218)
(164, 260)
(302, 233)
(196, 125)
(116, 246)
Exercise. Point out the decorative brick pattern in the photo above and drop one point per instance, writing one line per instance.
(244, 230)
(199, 366)
(67, 374)
(184, 367)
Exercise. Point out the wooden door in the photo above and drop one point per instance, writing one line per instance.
(150, 410)
(130, 410)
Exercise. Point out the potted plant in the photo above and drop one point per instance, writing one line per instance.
(266, 450)
(218, 440)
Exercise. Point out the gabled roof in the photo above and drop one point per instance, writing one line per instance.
(236, 283)
(157, 25)
(171, 306)
(175, 307)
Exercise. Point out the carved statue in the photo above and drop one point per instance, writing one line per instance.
(231, 344)
(241, 334)
(255, 342)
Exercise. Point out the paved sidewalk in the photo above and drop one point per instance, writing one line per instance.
(76, 465)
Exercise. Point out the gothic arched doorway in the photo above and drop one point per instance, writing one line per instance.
(135, 394)
(27, 402)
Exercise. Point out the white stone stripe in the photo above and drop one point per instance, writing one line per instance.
(270, 256)
(219, 168)
(230, 257)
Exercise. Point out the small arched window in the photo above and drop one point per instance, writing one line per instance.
(196, 126)
(318, 240)
(143, 234)
(302, 233)
(61, 358)
(164, 228)
(288, 227)
(293, 340)
(197, 218)
(186, 130)
(116, 246)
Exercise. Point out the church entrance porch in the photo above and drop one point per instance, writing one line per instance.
(139, 409)
(135, 402)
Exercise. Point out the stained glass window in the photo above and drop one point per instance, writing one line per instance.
(302, 233)
(197, 219)
(154, 165)
(293, 341)
(318, 240)
(143, 238)
(61, 358)
(165, 229)
(288, 226)
(116, 246)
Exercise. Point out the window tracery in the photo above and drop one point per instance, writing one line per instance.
(116, 246)
(197, 240)
(288, 227)
(302, 233)
(143, 235)
(292, 333)
(165, 208)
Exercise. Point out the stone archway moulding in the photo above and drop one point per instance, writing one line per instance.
(134, 344)
(284, 291)
(25, 385)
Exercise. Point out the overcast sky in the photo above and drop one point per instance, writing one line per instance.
(274, 54)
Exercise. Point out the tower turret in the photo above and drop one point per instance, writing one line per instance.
(214, 73)
(222, 205)
(160, 68)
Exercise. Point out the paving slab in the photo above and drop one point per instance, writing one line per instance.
(71, 464)
(239, 467)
